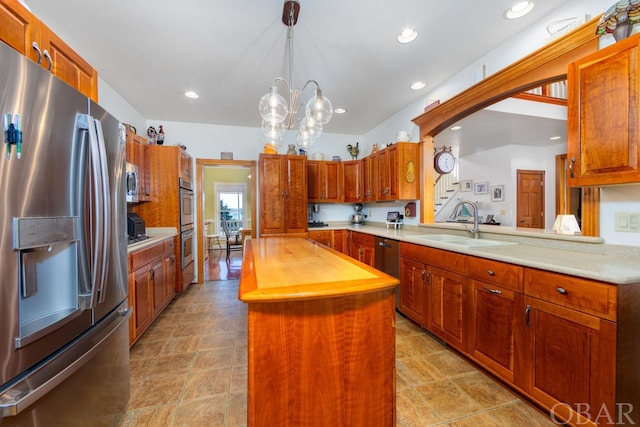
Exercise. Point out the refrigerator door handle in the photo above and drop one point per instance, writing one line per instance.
(102, 206)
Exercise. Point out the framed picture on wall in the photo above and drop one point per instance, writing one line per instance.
(481, 188)
(466, 185)
(497, 193)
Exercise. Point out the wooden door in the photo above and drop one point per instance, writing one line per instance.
(530, 199)
(371, 177)
(394, 186)
(445, 302)
(332, 179)
(142, 303)
(314, 181)
(493, 342)
(569, 357)
(353, 185)
(340, 240)
(384, 175)
(296, 194)
(157, 285)
(413, 297)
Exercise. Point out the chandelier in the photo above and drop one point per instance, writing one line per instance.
(277, 114)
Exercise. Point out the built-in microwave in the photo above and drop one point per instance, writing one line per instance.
(132, 182)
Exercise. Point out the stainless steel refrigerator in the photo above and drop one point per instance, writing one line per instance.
(64, 352)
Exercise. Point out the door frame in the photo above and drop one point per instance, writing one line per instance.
(200, 165)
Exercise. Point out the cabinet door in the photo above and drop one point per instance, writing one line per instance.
(296, 194)
(603, 116)
(131, 301)
(571, 357)
(340, 241)
(384, 177)
(353, 181)
(68, 65)
(186, 166)
(169, 277)
(314, 181)
(19, 28)
(371, 177)
(445, 303)
(333, 172)
(143, 160)
(324, 237)
(143, 304)
(413, 297)
(272, 194)
(494, 324)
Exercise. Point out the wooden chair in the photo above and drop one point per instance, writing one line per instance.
(211, 238)
(234, 238)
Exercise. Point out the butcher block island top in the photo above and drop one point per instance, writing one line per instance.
(288, 268)
(321, 337)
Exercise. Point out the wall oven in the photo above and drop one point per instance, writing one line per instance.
(186, 247)
(186, 205)
(187, 241)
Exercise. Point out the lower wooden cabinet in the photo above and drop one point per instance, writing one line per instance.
(335, 239)
(446, 298)
(361, 247)
(413, 299)
(151, 285)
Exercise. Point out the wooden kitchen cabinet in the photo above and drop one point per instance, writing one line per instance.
(398, 172)
(353, 181)
(283, 194)
(603, 114)
(413, 292)
(186, 166)
(138, 154)
(324, 181)
(340, 241)
(170, 271)
(445, 298)
(497, 300)
(324, 237)
(361, 247)
(370, 170)
(20, 29)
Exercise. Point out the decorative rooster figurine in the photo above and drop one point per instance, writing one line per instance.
(354, 150)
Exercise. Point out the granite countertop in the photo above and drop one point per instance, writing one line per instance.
(156, 234)
(581, 256)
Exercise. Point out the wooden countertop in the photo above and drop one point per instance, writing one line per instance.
(294, 268)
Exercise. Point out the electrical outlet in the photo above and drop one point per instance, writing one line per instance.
(503, 212)
(628, 222)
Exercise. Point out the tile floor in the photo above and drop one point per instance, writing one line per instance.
(189, 369)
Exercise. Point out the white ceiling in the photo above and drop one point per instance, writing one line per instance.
(152, 51)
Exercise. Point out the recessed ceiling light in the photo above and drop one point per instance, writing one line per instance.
(418, 85)
(518, 10)
(456, 127)
(553, 138)
(407, 35)
(191, 94)
(340, 110)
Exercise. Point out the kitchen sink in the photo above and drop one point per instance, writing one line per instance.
(461, 240)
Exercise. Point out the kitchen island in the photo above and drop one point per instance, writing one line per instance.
(321, 336)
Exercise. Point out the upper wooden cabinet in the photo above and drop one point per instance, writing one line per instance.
(324, 180)
(603, 116)
(370, 170)
(353, 173)
(283, 194)
(138, 154)
(398, 172)
(21, 30)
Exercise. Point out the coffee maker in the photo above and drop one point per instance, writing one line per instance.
(357, 217)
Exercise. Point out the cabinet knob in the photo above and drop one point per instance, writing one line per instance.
(491, 273)
(562, 291)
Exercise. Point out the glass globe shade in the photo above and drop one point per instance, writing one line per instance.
(272, 106)
(304, 142)
(276, 142)
(319, 108)
(273, 130)
(310, 128)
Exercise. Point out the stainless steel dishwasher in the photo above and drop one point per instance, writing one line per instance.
(387, 259)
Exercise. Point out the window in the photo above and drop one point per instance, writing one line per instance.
(230, 202)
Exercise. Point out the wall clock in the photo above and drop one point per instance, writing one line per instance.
(444, 162)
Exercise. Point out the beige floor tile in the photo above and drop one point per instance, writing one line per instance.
(147, 417)
(188, 344)
(218, 340)
(448, 400)
(406, 327)
(479, 420)
(157, 391)
(209, 412)
(174, 364)
(207, 383)
(448, 363)
(140, 368)
(213, 359)
(422, 344)
(521, 414)
(146, 349)
(239, 378)
(412, 410)
(158, 333)
(237, 411)
(487, 392)
(415, 371)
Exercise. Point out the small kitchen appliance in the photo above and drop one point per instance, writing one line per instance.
(357, 217)
(394, 220)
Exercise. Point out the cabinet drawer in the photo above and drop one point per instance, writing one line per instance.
(496, 272)
(446, 260)
(587, 296)
(362, 238)
(325, 237)
(144, 256)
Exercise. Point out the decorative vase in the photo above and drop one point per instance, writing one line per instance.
(292, 150)
(622, 31)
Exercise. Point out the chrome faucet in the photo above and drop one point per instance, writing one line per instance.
(475, 231)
